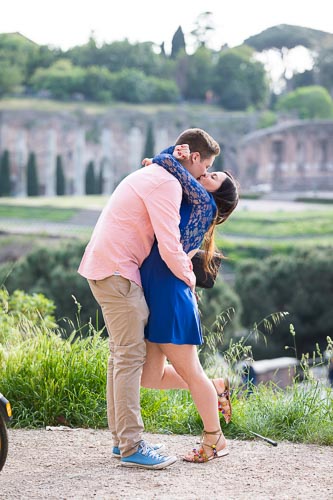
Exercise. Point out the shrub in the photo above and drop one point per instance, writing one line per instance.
(53, 272)
(301, 284)
(18, 308)
(309, 102)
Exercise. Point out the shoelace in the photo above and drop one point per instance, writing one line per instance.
(148, 451)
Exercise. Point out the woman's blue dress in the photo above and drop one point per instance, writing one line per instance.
(174, 316)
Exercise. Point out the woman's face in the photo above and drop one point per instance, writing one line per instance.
(212, 180)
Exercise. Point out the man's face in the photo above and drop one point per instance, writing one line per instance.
(198, 167)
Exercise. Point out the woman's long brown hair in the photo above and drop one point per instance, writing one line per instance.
(226, 198)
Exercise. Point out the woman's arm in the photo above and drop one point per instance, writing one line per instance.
(193, 191)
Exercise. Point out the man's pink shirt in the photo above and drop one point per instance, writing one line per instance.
(144, 205)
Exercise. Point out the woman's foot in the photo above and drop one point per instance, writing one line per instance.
(212, 445)
(223, 394)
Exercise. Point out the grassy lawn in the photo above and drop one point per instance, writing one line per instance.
(94, 202)
(248, 233)
(48, 213)
(278, 224)
(252, 234)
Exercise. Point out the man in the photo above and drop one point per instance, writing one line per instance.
(145, 205)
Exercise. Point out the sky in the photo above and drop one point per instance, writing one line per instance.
(66, 23)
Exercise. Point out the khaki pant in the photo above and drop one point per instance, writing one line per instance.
(125, 314)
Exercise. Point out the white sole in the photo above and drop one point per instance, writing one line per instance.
(163, 465)
(161, 448)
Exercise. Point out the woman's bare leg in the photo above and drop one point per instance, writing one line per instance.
(185, 361)
(157, 374)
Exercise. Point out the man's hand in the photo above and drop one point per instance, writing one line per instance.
(182, 152)
(146, 161)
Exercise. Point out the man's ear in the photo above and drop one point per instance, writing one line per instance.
(195, 156)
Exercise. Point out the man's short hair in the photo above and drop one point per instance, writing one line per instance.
(199, 140)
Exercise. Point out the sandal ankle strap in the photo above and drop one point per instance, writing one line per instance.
(223, 394)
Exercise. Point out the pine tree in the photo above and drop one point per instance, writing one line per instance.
(149, 150)
(90, 178)
(100, 181)
(162, 47)
(178, 43)
(4, 174)
(32, 178)
(60, 177)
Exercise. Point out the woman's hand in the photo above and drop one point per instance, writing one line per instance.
(146, 161)
(182, 152)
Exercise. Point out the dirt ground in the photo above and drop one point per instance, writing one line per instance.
(77, 464)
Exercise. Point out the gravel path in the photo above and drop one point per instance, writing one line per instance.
(77, 464)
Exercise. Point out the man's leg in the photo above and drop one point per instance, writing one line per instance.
(125, 313)
(110, 394)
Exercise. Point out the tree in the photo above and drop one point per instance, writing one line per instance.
(300, 284)
(100, 180)
(120, 55)
(60, 177)
(90, 178)
(53, 273)
(85, 55)
(32, 177)
(289, 36)
(62, 79)
(303, 79)
(217, 303)
(199, 74)
(97, 84)
(130, 85)
(324, 68)
(162, 90)
(178, 43)
(162, 47)
(308, 102)
(5, 174)
(284, 40)
(10, 77)
(149, 149)
(204, 26)
(18, 52)
(240, 80)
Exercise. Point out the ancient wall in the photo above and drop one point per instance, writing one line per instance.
(114, 141)
(291, 155)
(295, 155)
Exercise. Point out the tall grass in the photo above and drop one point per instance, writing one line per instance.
(300, 413)
(51, 380)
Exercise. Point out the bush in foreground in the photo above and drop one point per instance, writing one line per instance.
(51, 380)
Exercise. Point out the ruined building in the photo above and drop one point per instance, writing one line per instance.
(294, 155)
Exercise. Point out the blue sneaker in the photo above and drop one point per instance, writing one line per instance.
(154, 447)
(147, 458)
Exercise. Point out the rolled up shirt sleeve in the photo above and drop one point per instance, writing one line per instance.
(163, 204)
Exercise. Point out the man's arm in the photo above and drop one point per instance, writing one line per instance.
(163, 205)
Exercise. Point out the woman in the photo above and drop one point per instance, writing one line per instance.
(173, 328)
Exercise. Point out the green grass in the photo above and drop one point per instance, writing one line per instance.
(236, 251)
(326, 201)
(280, 224)
(50, 381)
(25, 212)
(301, 413)
(94, 202)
